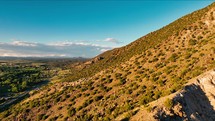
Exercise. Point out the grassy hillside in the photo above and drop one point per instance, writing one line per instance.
(122, 79)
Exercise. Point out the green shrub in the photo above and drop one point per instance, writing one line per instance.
(45, 117)
(39, 117)
(149, 109)
(155, 59)
(137, 77)
(173, 57)
(59, 108)
(97, 98)
(192, 42)
(202, 54)
(109, 80)
(71, 112)
(199, 37)
(122, 81)
(148, 97)
(127, 107)
(213, 50)
(187, 55)
(168, 103)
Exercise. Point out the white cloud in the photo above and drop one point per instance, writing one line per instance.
(58, 49)
(112, 40)
(103, 50)
(22, 43)
(69, 43)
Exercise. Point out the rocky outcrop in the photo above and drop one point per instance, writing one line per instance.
(196, 102)
(94, 60)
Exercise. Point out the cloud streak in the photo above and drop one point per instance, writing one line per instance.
(112, 40)
(59, 49)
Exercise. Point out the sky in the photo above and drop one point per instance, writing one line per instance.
(82, 28)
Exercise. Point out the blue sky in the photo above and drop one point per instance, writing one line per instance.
(83, 28)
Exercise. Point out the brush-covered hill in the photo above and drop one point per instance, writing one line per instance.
(118, 83)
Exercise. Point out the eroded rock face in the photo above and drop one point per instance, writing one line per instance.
(207, 84)
(196, 102)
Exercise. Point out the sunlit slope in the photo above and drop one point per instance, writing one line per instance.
(116, 56)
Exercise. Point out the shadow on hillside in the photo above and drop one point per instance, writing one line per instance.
(195, 105)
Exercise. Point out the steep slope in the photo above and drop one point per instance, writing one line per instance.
(124, 79)
(120, 55)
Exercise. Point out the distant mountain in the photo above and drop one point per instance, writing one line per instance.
(144, 80)
(39, 58)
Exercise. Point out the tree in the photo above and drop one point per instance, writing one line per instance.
(24, 85)
(14, 88)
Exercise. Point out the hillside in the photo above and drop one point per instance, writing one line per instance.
(116, 56)
(122, 83)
